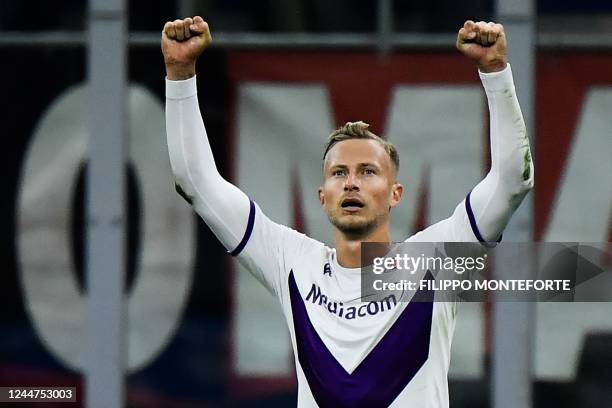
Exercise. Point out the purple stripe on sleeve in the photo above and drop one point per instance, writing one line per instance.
(470, 213)
(248, 232)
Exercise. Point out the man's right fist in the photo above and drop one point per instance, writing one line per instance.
(182, 43)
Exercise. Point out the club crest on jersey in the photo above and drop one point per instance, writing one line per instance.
(327, 270)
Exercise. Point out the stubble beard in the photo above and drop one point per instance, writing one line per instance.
(355, 230)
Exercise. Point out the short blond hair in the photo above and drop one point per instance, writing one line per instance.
(359, 130)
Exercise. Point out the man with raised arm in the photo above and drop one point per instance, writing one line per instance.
(350, 352)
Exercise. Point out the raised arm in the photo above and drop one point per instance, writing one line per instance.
(224, 208)
(261, 245)
(486, 210)
(495, 198)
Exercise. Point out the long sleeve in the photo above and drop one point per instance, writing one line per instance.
(486, 210)
(224, 208)
(494, 199)
(259, 243)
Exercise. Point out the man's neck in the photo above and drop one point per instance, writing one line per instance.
(348, 249)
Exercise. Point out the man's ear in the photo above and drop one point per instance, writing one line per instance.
(321, 196)
(396, 194)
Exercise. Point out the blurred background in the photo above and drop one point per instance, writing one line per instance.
(199, 331)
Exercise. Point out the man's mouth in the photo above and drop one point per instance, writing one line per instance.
(352, 204)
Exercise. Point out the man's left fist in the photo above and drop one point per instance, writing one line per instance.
(485, 43)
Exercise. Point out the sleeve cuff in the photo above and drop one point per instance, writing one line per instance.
(497, 81)
(181, 89)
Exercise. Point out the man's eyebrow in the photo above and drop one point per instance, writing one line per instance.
(368, 164)
(359, 165)
(338, 166)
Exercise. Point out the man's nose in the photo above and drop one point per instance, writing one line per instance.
(351, 183)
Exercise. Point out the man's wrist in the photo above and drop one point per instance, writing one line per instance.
(180, 71)
(495, 66)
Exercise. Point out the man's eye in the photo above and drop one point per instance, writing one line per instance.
(338, 173)
(369, 171)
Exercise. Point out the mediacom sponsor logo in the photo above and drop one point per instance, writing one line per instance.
(350, 312)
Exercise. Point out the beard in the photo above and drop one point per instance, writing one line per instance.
(355, 228)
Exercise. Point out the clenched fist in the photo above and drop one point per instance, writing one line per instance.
(182, 43)
(485, 43)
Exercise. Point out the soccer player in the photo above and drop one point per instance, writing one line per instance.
(350, 353)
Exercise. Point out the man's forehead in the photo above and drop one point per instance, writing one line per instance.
(356, 151)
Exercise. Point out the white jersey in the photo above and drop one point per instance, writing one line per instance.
(351, 353)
